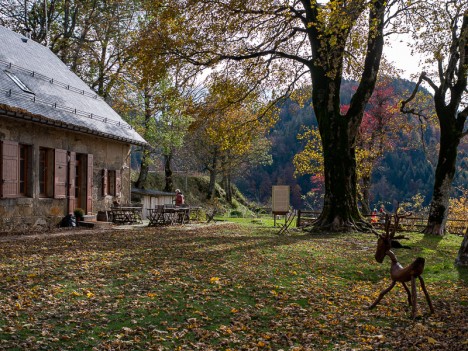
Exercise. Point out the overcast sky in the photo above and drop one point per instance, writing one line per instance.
(400, 55)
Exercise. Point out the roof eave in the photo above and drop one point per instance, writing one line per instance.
(15, 112)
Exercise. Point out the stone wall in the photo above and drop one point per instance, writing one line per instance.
(43, 213)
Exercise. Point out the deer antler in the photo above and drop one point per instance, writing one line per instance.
(387, 225)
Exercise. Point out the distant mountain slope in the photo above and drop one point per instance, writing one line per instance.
(400, 175)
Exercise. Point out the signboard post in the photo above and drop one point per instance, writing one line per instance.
(280, 201)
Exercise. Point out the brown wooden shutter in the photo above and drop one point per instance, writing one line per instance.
(118, 183)
(60, 174)
(10, 159)
(89, 184)
(71, 181)
(104, 182)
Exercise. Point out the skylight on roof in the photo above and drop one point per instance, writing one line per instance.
(18, 82)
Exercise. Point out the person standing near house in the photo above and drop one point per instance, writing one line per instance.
(382, 210)
(382, 213)
(179, 200)
(374, 218)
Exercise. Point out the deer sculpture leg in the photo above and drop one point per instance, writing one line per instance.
(413, 297)
(428, 299)
(382, 294)
(407, 292)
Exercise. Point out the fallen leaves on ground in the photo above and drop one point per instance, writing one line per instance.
(217, 287)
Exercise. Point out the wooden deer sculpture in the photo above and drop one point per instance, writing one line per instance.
(398, 273)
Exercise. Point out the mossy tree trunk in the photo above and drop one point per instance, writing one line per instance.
(339, 130)
(462, 258)
(146, 154)
(444, 175)
(168, 173)
(144, 168)
(227, 187)
(449, 87)
(340, 208)
(213, 170)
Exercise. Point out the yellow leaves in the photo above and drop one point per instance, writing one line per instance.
(431, 341)
(151, 295)
(215, 280)
(310, 160)
(75, 293)
(226, 330)
(459, 206)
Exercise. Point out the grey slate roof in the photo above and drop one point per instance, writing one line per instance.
(60, 97)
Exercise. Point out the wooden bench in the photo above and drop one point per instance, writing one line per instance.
(168, 215)
(156, 216)
(127, 215)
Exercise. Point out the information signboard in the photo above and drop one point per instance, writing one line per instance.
(280, 199)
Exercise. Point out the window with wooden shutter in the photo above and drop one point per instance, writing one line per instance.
(46, 172)
(71, 181)
(118, 183)
(104, 183)
(111, 182)
(60, 174)
(10, 169)
(89, 184)
(24, 171)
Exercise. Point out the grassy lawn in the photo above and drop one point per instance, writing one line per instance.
(226, 286)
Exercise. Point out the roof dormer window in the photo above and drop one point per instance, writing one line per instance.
(18, 82)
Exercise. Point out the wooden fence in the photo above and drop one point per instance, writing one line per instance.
(454, 226)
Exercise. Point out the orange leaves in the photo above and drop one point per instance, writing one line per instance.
(214, 287)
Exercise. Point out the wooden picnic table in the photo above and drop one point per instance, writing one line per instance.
(126, 214)
(168, 215)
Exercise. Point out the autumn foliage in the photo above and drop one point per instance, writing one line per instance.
(382, 126)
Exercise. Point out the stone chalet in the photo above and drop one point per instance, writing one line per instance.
(61, 146)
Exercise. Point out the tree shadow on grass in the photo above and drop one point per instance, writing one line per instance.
(179, 248)
(429, 241)
(463, 273)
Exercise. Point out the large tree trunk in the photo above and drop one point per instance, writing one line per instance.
(144, 168)
(452, 114)
(445, 172)
(340, 209)
(462, 258)
(226, 181)
(168, 173)
(211, 186)
(213, 169)
(146, 155)
(339, 132)
(228, 188)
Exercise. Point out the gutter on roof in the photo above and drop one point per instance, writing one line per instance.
(16, 112)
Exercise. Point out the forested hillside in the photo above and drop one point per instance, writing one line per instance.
(400, 175)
